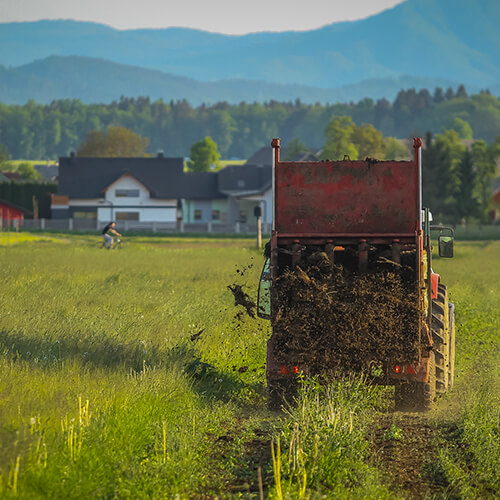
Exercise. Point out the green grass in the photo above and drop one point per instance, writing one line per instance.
(12, 165)
(114, 328)
(322, 449)
(167, 415)
(470, 457)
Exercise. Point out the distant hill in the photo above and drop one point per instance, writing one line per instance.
(95, 80)
(454, 40)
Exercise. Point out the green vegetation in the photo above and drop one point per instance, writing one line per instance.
(204, 156)
(115, 142)
(457, 182)
(36, 131)
(469, 460)
(322, 449)
(128, 374)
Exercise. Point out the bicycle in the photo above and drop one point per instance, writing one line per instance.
(117, 244)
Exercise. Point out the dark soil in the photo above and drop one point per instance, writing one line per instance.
(330, 318)
(242, 299)
(405, 446)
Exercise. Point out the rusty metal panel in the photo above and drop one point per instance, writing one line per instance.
(347, 197)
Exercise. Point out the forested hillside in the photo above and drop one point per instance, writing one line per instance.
(35, 131)
(96, 80)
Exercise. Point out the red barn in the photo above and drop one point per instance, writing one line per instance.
(11, 212)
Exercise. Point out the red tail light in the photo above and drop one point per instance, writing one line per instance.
(397, 368)
(283, 370)
(296, 369)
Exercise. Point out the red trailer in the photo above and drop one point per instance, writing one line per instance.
(371, 211)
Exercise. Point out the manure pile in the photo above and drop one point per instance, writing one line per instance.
(329, 318)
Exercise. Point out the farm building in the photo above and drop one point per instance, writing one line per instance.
(11, 214)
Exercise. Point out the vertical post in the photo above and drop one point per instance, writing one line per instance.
(259, 232)
(154, 226)
(42, 223)
(209, 227)
(97, 221)
(182, 226)
(237, 226)
(35, 208)
(70, 223)
(275, 144)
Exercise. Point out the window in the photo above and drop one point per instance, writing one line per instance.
(85, 215)
(127, 193)
(243, 216)
(127, 215)
(215, 214)
(198, 214)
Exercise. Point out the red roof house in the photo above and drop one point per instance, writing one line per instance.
(10, 211)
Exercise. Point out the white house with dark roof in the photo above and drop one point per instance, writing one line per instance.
(135, 189)
(158, 190)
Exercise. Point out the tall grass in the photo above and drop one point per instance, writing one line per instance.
(322, 449)
(469, 461)
(103, 393)
(128, 375)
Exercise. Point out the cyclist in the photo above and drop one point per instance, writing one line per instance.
(109, 228)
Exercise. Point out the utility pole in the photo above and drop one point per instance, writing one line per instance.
(257, 211)
(35, 208)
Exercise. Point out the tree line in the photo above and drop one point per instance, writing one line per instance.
(35, 131)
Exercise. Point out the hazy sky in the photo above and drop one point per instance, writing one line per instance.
(224, 16)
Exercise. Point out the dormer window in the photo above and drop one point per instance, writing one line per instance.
(127, 193)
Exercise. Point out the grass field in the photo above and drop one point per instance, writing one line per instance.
(129, 374)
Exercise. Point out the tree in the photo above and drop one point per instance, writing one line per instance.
(486, 170)
(338, 139)
(448, 150)
(461, 93)
(438, 95)
(467, 201)
(116, 142)
(395, 149)
(449, 94)
(294, 148)
(4, 154)
(204, 154)
(368, 141)
(28, 172)
(462, 128)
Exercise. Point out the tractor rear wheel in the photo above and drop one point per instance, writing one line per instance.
(417, 396)
(451, 362)
(441, 338)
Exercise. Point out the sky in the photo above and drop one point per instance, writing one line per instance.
(222, 16)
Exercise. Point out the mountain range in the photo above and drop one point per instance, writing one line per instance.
(419, 43)
(96, 80)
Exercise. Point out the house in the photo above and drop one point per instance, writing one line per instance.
(228, 196)
(47, 171)
(158, 190)
(10, 212)
(134, 189)
(13, 176)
